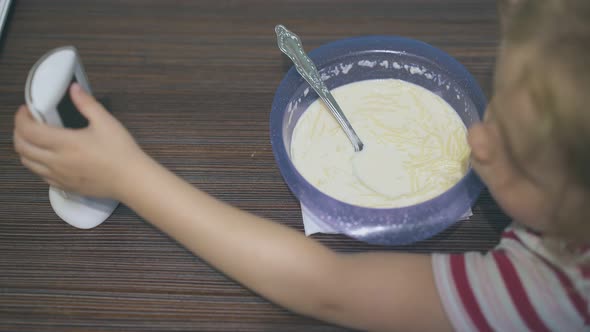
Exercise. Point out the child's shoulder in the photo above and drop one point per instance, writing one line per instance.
(557, 253)
(519, 285)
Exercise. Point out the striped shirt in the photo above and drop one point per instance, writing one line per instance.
(518, 286)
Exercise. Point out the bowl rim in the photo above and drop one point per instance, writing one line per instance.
(394, 44)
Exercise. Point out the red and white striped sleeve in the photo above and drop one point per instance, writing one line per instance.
(512, 288)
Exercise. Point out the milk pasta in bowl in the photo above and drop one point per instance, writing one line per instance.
(410, 104)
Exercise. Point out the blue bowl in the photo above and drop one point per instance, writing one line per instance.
(378, 57)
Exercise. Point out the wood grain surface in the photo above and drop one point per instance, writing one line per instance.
(193, 81)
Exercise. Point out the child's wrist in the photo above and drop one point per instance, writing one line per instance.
(130, 174)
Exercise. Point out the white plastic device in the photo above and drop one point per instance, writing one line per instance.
(47, 97)
(4, 7)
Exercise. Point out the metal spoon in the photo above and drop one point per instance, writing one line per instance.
(290, 44)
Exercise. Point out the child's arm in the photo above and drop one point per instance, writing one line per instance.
(367, 291)
(376, 291)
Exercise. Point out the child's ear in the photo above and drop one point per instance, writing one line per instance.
(505, 10)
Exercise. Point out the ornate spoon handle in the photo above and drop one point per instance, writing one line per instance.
(290, 44)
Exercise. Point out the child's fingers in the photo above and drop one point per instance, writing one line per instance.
(30, 151)
(85, 103)
(35, 167)
(22, 117)
(38, 134)
(479, 138)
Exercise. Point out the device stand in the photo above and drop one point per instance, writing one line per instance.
(80, 211)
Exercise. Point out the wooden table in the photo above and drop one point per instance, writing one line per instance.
(194, 82)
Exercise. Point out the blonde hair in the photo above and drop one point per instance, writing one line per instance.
(558, 81)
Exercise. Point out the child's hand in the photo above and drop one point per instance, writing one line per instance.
(90, 161)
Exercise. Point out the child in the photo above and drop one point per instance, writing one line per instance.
(531, 151)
